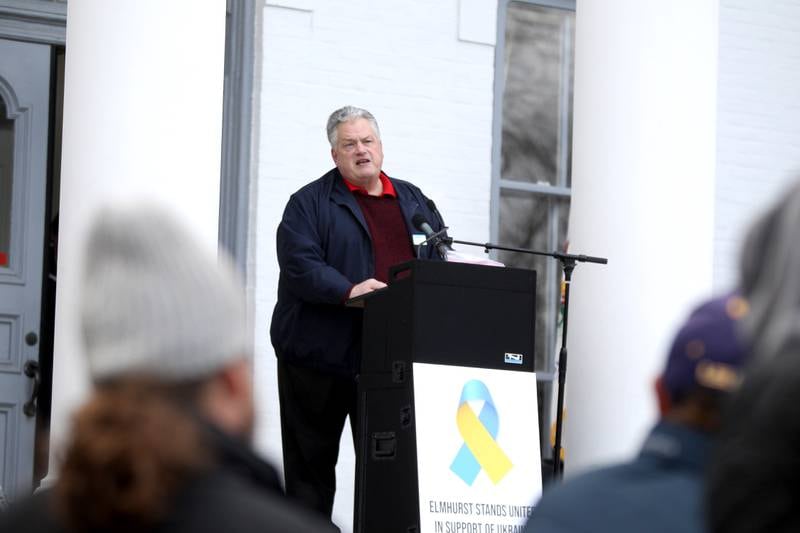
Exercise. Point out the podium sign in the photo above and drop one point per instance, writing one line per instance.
(438, 342)
(477, 439)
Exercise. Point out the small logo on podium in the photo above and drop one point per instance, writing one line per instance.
(513, 358)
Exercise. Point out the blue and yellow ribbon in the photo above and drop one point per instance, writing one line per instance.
(480, 448)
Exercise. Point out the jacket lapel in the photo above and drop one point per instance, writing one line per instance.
(409, 205)
(340, 195)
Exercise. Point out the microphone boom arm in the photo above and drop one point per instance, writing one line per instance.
(564, 258)
(438, 236)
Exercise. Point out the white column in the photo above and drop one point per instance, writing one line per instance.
(643, 184)
(142, 120)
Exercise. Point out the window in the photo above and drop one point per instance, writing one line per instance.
(6, 181)
(534, 67)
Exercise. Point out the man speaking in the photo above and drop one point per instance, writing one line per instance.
(337, 239)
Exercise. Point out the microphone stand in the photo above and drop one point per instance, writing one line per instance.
(440, 237)
(568, 263)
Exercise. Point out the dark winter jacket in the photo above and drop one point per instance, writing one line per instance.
(661, 491)
(241, 494)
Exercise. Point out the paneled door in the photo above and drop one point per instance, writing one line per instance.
(24, 109)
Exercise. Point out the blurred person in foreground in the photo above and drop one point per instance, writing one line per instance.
(163, 442)
(754, 477)
(769, 271)
(661, 489)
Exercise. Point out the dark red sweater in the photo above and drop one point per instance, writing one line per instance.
(387, 227)
(390, 241)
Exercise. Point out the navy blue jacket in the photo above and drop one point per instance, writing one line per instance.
(324, 248)
(661, 491)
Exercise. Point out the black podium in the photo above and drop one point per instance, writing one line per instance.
(431, 312)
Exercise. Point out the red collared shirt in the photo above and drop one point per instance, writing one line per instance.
(388, 188)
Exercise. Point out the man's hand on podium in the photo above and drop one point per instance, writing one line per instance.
(368, 285)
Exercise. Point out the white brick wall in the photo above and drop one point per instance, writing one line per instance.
(426, 70)
(758, 127)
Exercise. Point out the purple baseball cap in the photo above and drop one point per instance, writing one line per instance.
(707, 352)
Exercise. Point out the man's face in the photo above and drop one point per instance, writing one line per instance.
(358, 152)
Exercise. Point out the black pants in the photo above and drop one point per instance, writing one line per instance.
(314, 406)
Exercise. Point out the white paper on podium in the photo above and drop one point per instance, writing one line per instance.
(496, 478)
(457, 256)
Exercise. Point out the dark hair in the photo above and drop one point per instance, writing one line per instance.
(754, 475)
(134, 446)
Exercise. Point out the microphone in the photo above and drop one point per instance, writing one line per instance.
(432, 207)
(421, 224)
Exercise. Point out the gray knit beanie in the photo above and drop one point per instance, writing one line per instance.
(154, 302)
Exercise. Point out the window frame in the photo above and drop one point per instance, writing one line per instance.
(561, 190)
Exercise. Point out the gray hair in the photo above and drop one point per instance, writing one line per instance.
(770, 278)
(346, 114)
